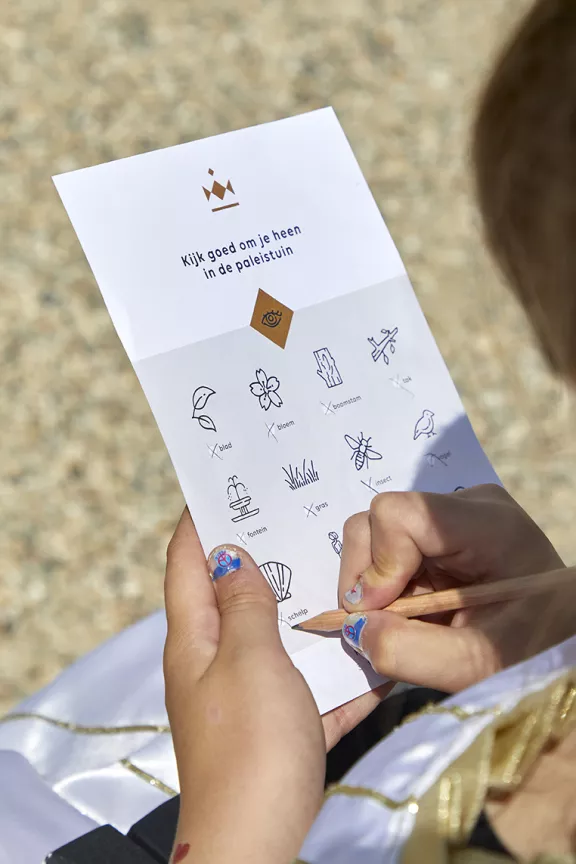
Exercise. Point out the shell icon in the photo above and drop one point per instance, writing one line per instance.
(278, 577)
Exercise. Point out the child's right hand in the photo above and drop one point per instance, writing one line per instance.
(411, 542)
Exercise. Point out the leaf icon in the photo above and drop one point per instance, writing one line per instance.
(200, 397)
(206, 422)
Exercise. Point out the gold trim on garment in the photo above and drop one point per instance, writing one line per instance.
(454, 710)
(364, 792)
(80, 729)
(566, 708)
(148, 778)
(493, 765)
(480, 856)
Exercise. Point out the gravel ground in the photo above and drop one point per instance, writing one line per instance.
(89, 498)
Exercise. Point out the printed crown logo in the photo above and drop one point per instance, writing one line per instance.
(219, 191)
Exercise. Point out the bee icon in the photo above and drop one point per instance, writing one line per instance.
(271, 318)
(362, 452)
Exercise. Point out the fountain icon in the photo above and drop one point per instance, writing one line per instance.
(240, 500)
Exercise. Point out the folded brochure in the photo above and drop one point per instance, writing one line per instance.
(271, 323)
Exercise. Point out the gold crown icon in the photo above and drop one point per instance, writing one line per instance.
(219, 191)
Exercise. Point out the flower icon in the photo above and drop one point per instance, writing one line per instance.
(266, 390)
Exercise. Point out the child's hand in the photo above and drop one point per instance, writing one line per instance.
(412, 542)
(247, 734)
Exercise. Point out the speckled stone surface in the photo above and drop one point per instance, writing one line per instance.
(88, 494)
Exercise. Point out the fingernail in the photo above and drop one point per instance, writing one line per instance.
(352, 630)
(354, 595)
(222, 561)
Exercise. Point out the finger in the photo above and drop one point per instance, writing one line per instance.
(343, 719)
(191, 610)
(395, 557)
(356, 552)
(429, 655)
(248, 609)
(407, 528)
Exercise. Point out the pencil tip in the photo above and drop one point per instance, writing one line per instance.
(295, 627)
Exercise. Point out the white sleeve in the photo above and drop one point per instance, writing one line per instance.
(371, 813)
(34, 820)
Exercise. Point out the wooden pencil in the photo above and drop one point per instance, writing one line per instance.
(455, 598)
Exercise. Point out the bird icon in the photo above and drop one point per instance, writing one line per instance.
(425, 425)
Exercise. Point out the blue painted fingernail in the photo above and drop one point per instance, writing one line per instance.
(354, 595)
(352, 630)
(222, 561)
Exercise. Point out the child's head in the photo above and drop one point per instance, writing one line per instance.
(524, 152)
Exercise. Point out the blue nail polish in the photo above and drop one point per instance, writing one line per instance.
(354, 595)
(352, 630)
(224, 561)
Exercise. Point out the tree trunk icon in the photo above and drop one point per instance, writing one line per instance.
(327, 368)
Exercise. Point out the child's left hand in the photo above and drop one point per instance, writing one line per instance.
(248, 738)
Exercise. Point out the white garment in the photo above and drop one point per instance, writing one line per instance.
(33, 818)
(120, 684)
(408, 762)
(72, 779)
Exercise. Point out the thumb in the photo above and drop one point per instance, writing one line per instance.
(428, 655)
(248, 610)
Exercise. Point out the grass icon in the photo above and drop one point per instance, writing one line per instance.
(296, 478)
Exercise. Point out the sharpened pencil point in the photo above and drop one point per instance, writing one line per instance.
(454, 598)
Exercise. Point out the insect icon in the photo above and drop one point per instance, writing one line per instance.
(272, 318)
(362, 452)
